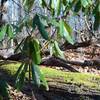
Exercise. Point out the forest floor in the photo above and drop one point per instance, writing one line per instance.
(64, 84)
(85, 55)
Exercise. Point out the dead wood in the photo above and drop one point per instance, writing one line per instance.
(67, 45)
(56, 61)
(15, 57)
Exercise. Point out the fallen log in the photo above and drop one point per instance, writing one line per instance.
(67, 45)
(56, 61)
(15, 57)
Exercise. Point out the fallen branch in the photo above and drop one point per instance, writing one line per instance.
(67, 45)
(56, 61)
(15, 57)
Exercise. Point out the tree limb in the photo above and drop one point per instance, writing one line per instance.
(56, 61)
(67, 45)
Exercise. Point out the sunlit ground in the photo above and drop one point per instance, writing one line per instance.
(89, 80)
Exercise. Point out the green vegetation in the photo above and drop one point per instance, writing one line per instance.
(55, 16)
(85, 79)
(34, 19)
(81, 79)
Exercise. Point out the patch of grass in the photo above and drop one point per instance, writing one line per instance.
(89, 80)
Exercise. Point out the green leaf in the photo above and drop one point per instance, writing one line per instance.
(26, 49)
(97, 21)
(28, 4)
(19, 70)
(52, 7)
(61, 28)
(84, 3)
(3, 32)
(35, 75)
(43, 3)
(38, 77)
(50, 21)
(4, 89)
(58, 8)
(10, 31)
(20, 79)
(69, 29)
(57, 51)
(35, 50)
(99, 8)
(50, 2)
(96, 13)
(42, 78)
(65, 31)
(77, 6)
(31, 49)
(55, 6)
(53, 22)
(34, 23)
(41, 28)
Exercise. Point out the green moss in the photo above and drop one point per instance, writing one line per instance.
(11, 68)
(88, 80)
